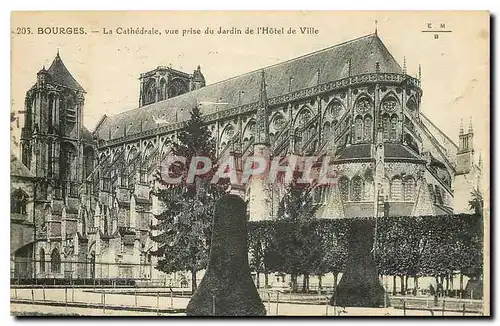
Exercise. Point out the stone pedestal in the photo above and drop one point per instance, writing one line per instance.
(360, 285)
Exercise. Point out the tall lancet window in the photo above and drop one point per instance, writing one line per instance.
(386, 126)
(357, 189)
(344, 188)
(396, 189)
(409, 189)
(394, 128)
(368, 128)
(368, 189)
(358, 129)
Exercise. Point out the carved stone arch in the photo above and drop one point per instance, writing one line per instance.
(133, 149)
(166, 146)
(334, 109)
(363, 104)
(411, 104)
(148, 150)
(278, 121)
(410, 142)
(227, 132)
(390, 102)
(303, 116)
(249, 130)
(150, 91)
(177, 86)
(163, 90)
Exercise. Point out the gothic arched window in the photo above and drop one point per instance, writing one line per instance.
(368, 128)
(386, 187)
(357, 189)
(368, 189)
(411, 105)
(326, 130)
(409, 189)
(394, 128)
(132, 162)
(358, 129)
(150, 92)
(55, 261)
(386, 126)
(42, 261)
(303, 118)
(163, 89)
(344, 188)
(177, 87)
(335, 129)
(278, 122)
(396, 189)
(18, 202)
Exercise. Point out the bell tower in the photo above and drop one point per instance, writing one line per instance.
(51, 144)
(465, 154)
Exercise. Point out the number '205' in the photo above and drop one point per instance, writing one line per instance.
(23, 30)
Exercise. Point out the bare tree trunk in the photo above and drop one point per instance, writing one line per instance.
(294, 283)
(335, 280)
(461, 282)
(402, 279)
(320, 285)
(406, 284)
(266, 279)
(257, 280)
(194, 286)
(394, 285)
(415, 280)
(304, 283)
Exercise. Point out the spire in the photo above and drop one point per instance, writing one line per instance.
(376, 27)
(419, 72)
(61, 75)
(404, 65)
(471, 130)
(262, 127)
(461, 126)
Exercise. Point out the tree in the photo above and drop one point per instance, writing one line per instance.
(476, 203)
(259, 236)
(296, 244)
(334, 248)
(184, 228)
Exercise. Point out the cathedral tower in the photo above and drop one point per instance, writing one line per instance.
(51, 138)
(465, 154)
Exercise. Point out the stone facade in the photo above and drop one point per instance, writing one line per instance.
(94, 208)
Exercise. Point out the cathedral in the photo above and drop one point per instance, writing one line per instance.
(82, 203)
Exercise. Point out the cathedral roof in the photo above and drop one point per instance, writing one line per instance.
(392, 151)
(398, 151)
(18, 169)
(332, 64)
(355, 152)
(61, 76)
